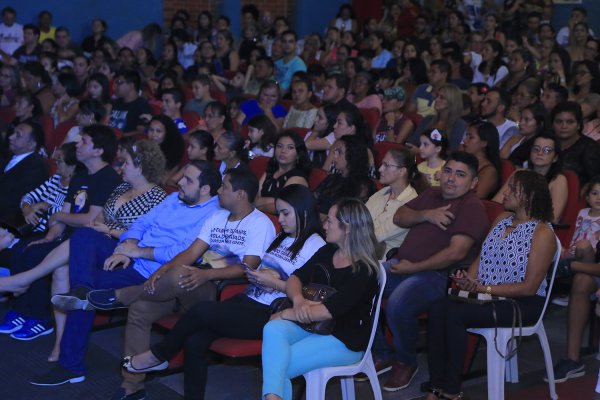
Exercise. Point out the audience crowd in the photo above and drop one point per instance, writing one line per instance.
(138, 172)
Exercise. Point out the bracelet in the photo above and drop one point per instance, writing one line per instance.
(488, 289)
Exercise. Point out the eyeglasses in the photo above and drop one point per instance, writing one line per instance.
(540, 149)
(386, 165)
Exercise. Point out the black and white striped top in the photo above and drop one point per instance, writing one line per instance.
(51, 192)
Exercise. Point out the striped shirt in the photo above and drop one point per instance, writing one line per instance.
(51, 192)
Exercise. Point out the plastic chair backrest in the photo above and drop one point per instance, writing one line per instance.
(60, 132)
(551, 275)
(371, 117)
(191, 119)
(492, 209)
(507, 170)
(377, 305)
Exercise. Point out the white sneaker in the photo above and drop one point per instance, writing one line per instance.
(562, 301)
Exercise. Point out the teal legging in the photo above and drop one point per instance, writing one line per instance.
(289, 351)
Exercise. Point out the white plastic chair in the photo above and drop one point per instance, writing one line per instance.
(316, 380)
(497, 366)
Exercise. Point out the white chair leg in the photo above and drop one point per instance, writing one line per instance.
(315, 385)
(541, 332)
(374, 381)
(347, 383)
(512, 365)
(495, 366)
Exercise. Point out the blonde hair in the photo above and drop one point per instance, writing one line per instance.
(360, 244)
(455, 107)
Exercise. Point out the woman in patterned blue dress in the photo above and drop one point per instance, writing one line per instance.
(514, 260)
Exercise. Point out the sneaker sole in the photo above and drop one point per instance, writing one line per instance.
(71, 303)
(47, 332)
(106, 307)
(395, 389)
(570, 375)
(16, 328)
(365, 378)
(70, 380)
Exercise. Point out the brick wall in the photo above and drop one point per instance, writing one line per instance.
(194, 7)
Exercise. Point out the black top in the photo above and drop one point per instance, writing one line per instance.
(272, 186)
(352, 305)
(21, 179)
(583, 157)
(126, 116)
(335, 186)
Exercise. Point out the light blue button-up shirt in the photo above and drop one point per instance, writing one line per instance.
(170, 228)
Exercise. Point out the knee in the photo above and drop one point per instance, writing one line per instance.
(140, 313)
(583, 284)
(82, 235)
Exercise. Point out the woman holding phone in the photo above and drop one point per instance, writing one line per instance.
(242, 316)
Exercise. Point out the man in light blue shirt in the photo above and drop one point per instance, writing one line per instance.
(290, 63)
(152, 241)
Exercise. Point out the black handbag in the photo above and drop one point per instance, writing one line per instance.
(314, 292)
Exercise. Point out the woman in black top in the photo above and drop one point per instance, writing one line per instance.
(289, 165)
(350, 177)
(350, 258)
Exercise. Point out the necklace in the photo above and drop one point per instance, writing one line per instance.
(227, 237)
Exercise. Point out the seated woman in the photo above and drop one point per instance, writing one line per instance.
(244, 315)
(262, 134)
(448, 109)
(39, 204)
(350, 176)
(394, 125)
(350, 258)
(163, 131)
(363, 92)
(349, 121)
(65, 90)
(534, 121)
(216, 119)
(399, 173)
(142, 173)
(290, 165)
(229, 149)
(321, 137)
(267, 104)
(522, 241)
(545, 158)
(302, 114)
(481, 140)
(90, 112)
(200, 147)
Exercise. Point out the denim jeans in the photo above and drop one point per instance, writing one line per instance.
(89, 249)
(407, 296)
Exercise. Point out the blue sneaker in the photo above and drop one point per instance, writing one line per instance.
(13, 321)
(32, 329)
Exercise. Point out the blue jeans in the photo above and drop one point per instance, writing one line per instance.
(289, 351)
(88, 251)
(408, 296)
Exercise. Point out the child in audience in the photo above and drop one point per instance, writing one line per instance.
(172, 101)
(433, 151)
(302, 114)
(201, 92)
(200, 146)
(261, 136)
(587, 226)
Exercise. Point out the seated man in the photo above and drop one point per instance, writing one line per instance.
(238, 235)
(155, 238)
(25, 170)
(447, 226)
(172, 102)
(87, 193)
(129, 106)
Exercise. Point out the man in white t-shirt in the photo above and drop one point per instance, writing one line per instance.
(493, 108)
(11, 33)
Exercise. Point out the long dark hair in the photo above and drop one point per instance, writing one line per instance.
(594, 71)
(205, 140)
(302, 162)
(489, 134)
(307, 217)
(221, 109)
(497, 62)
(172, 145)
